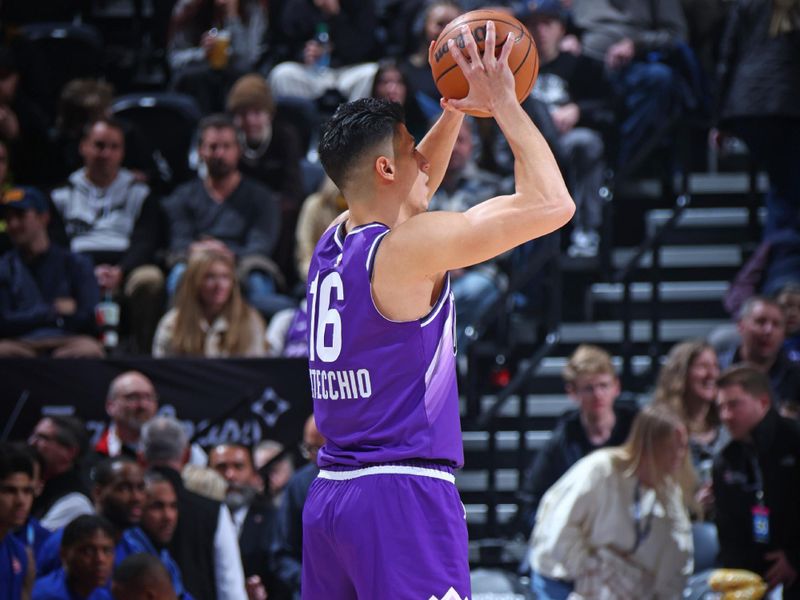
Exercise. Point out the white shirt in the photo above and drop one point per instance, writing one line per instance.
(65, 509)
(228, 571)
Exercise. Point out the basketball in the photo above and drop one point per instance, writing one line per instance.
(523, 60)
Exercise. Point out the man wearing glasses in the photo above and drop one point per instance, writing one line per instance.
(61, 441)
(591, 382)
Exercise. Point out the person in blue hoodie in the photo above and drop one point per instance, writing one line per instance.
(87, 555)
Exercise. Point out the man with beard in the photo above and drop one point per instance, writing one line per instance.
(227, 211)
(87, 553)
(131, 402)
(157, 528)
(762, 326)
(253, 514)
(118, 497)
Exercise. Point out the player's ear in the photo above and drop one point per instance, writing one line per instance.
(385, 168)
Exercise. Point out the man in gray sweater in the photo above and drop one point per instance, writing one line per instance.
(228, 211)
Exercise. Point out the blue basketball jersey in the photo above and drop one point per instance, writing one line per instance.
(383, 391)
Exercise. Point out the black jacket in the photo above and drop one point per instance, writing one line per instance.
(776, 451)
(566, 446)
(255, 544)
(192, 546)
(288, 550)
(758, 74)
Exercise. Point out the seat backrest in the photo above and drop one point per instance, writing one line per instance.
(60, 52)
(706, 546)
(168, 122)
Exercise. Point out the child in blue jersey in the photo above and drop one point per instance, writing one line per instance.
(384, 518)
(17, 569)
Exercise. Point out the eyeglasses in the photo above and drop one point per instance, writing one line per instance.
(593, 388)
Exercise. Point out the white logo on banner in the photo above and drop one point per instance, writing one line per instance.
(450, 595)
(270, 407)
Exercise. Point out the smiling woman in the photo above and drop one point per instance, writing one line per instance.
(210, 317)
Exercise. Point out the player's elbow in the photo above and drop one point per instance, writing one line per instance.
(558, 208)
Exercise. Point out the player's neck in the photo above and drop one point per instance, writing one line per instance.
(365, 210)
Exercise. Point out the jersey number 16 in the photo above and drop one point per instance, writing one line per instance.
(322, 316)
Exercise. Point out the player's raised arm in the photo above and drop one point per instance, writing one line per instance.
(430, 243)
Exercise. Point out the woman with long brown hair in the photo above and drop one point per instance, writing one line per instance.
(614, 526)
(687, 383)
(210, 318)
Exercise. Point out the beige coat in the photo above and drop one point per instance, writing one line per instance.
(585, 533)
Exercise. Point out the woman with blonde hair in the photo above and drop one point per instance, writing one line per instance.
(614, 526)
(210, 318)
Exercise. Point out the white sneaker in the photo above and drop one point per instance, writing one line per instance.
(584, 243)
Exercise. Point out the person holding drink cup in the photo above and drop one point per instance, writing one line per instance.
(212, 43)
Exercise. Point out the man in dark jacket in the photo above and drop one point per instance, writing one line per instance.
(47, 294)
(204, 544)
(253, 514)
(757, 482)
(762, 326)
(591, 381)
(330, 42)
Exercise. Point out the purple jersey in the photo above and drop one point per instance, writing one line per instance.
(383, 390)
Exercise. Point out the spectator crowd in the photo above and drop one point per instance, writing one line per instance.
(112, 246)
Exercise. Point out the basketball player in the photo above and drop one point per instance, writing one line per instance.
(384, 519)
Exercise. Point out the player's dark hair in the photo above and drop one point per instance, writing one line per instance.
(140, 569)
(14, 458)
(355, 128)
(85, 526)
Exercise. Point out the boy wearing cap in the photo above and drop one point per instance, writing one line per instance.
(47, 294)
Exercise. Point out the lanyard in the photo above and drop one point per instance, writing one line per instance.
(641, 527)
(758, 482)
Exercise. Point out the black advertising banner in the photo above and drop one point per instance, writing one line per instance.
(218, 400)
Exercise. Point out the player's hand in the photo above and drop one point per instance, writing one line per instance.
(781, 570)
(491, 83)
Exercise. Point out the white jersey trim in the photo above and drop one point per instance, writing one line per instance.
(387, 470)
(372, 248)
(443, 298)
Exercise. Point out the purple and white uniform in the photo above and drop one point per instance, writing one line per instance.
(384, 518)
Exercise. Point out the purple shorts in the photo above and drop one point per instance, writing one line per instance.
(385, 531)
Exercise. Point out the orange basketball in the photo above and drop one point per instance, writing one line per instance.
(523, 60)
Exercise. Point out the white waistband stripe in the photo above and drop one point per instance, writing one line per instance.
(387, 470)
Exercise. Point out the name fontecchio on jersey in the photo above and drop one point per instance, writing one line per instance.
(350, 384)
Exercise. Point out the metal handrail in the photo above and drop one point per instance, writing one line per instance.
(624, 275)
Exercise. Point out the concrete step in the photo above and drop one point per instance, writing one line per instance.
(700, 184)
(668, 291)
(693, 256)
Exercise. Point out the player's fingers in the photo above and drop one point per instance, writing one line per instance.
(508, 46)
(471, 46)
(430, 52)
(489, 45)
(458, 56)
